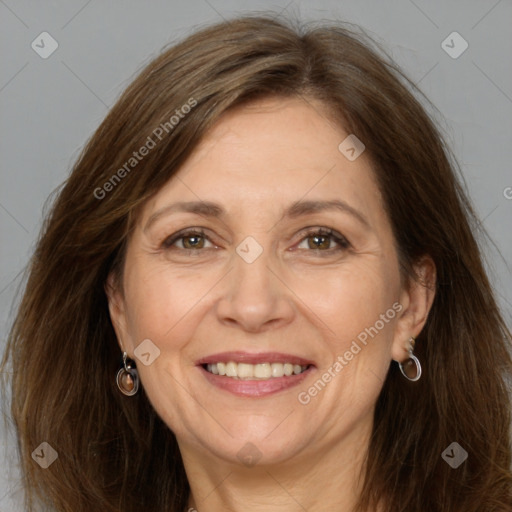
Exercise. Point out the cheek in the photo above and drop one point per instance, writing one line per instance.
(358, 307)
(158, 299)
(351, 297)
(355, 305)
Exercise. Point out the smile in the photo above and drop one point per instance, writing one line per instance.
(251, 375)
(261, 371)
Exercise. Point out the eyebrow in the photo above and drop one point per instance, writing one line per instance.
(295, 210)
(203, 208)
(300, 208)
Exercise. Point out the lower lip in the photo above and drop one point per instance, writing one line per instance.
(255, 388)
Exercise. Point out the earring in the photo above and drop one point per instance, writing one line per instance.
(411, 368)
(127, 378)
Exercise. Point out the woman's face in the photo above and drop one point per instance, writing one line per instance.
(269, 252)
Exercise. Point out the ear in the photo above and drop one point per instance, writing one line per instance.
(117, 310)
(416, 298)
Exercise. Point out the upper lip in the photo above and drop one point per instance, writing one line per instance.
(253, 358)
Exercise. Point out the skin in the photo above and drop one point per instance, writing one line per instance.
(294, 298)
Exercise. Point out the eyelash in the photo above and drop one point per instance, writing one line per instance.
(343, 243)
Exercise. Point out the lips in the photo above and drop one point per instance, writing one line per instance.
(254, 375)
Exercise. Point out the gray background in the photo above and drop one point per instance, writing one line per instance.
(50, 107)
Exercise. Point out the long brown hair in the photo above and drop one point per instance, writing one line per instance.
(114, 452)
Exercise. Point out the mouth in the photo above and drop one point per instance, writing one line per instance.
(254, 375)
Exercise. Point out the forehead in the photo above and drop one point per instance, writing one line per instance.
(270, 152)
(295, 133)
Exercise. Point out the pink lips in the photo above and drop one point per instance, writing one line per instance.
(254, 388)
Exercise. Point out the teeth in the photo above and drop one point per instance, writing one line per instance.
(245, 371)
(231, 369)
(277, 369)
(214, 369)
(261, 371)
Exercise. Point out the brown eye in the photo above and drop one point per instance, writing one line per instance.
(188, 241)
(319, 242)
(324, 240)
(193, 241)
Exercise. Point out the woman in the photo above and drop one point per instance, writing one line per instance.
(260, 289)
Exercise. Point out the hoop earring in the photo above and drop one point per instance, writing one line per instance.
(127, 378)
(411, 368)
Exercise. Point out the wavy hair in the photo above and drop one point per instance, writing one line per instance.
(114, 452)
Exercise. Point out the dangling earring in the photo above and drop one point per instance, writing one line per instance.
(411, 368)
(127, 378)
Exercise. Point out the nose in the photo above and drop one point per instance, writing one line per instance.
(254, 297)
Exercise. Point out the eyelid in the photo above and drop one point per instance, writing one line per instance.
(319, 229)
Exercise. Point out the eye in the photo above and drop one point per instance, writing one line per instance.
(188, 240)
(324, 240)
